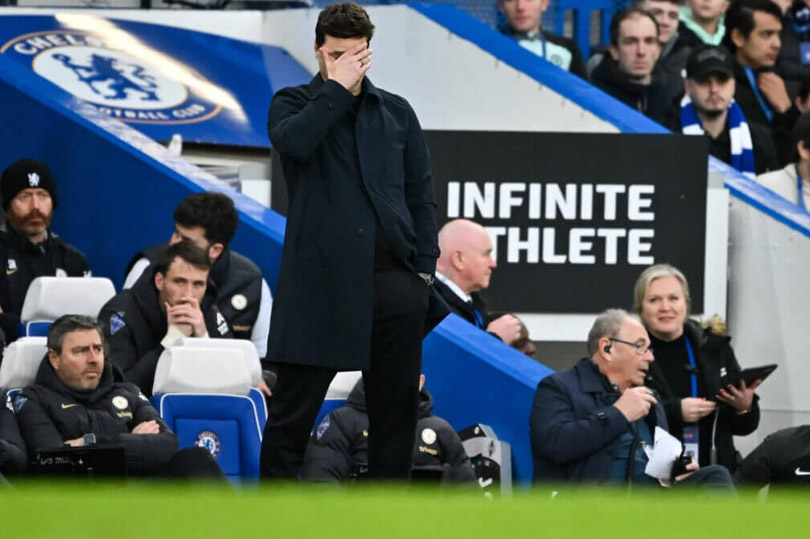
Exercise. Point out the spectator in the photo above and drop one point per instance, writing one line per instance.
(793, 181)
(524, 343)
(524, 24)
(794, 54)
(28, 248)
(752, 37)
(630, 72)
(590, 423)
(463, 271)
(782, 458)
(702, 22)
(709, 109)
(139, 323)
(338, 448)
(12, 447)
(209, 220)
(691, 369)
(673, 53)
(79, 400)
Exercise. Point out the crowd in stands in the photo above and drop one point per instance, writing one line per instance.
(737, 72)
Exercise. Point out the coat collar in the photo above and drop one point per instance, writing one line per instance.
(368, 88)
(591, 379)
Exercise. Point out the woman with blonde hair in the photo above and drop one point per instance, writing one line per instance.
(692, 369)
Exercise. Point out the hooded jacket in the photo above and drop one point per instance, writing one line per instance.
(49, 413)
(338, 448)
(134, 325)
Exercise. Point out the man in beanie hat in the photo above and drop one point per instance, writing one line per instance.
(793, 181)
(28, 249)
(708, 108)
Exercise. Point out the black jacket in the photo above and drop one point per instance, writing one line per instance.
(326, 279)
(338, 449)
(22, 262)
(464, 310)
(575, 428)
(766, 157)
(789, 62)
(713, 353)
(234, 275)
(650, 99)
(12, 447)
(49, 413)
(134, 324)
(782, 125)
(783, 457)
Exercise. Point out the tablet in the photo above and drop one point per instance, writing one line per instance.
(756, 373)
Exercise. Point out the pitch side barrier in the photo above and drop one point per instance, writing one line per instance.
(117, 188)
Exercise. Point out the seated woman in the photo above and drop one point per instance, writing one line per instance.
(691, 371)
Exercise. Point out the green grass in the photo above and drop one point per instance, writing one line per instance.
(291, 512)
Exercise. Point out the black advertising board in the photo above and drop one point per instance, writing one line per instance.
(574, 218)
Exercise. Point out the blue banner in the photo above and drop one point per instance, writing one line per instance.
(160, 80)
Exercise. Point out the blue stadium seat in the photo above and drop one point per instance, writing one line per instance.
(33, 329)
(226, 425)
(203, 394)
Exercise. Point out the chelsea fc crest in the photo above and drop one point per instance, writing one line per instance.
(209, 440)
(122, 78)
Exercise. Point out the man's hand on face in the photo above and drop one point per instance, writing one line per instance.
(349, 69)
(147, 427)
(187, 316)
(507, 327)
(773, 88)
(635, 403)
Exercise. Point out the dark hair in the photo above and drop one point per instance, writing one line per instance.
(344, 21)
(740, 17)
(186, 250)
(68, 324)
(623, 15)
(213, 212)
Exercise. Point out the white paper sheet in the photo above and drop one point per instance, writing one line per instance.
(666, 448)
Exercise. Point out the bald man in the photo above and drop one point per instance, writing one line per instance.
(463, 269)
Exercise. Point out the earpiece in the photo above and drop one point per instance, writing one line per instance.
(606, 349)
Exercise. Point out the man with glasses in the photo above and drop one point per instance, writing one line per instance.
(595, 422)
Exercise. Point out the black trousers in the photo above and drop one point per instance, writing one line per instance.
(391, 385)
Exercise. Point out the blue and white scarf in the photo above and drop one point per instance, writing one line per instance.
(742, 149)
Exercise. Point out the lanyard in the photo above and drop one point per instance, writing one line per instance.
(755, 88)
(479, 320)
(692, 375)
(543, 44)
(800, 197)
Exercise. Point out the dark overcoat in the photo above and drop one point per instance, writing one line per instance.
(322, 313)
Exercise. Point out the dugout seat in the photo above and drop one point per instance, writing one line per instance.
(48, 298)
(338, 392)
(20, 363)
(252, 362)
(202, 395)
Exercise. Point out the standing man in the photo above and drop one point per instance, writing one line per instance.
(28, 248)
(359, 252)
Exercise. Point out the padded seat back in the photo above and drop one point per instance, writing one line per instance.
(187, 369)
(48, 298)
(21, 362)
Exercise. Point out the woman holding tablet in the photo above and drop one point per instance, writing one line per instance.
(692, 370)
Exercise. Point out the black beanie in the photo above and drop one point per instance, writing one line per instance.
(26, 174)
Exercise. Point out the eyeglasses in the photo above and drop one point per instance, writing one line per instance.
(641, 349)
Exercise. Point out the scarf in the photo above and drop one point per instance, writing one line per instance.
(742, 150)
